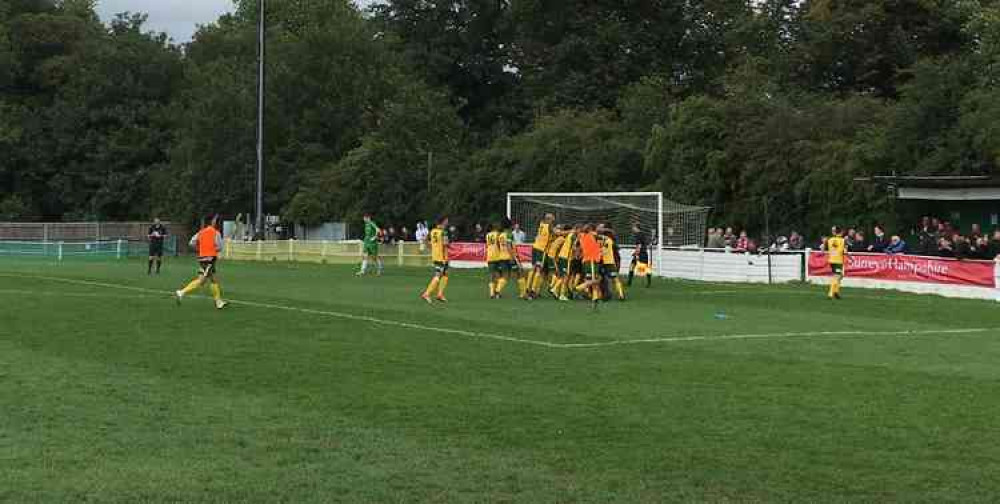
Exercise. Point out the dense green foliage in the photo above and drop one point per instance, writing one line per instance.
(412, 108)
(111, 393)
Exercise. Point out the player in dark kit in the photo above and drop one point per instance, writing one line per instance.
(157, 234)
(640, 258)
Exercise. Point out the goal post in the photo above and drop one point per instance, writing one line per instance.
(667, 223)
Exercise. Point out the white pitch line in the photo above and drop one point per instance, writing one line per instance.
(29, 293)
(546, 344)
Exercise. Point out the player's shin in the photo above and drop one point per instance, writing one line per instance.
(432, 286)
(522, 287)
(442, 285)
(501, 283)
(192, 286)
(620, 288)
(216, 290)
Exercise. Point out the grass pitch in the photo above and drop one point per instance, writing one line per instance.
(316, 386)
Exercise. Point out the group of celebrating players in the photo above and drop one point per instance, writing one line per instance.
(568, 261)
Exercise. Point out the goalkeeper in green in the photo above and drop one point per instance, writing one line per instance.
(372, 233)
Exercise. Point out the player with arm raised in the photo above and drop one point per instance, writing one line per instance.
(370, 245)
(208, 244)
(610, 265)
(538, 254)
(836, 253)
(157, 233)
(438, 238)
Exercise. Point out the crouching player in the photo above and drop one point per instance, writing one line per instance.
(208, 243)
(438, 239)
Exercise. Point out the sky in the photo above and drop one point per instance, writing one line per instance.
(179, 18)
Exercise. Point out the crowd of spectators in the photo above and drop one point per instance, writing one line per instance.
(932, 237)
(476, 233)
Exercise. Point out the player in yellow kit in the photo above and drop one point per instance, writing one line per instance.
(509, 249)
(541, 244)
(609, 264)
(438, 239)
(494, 263)
(836, 255)
(567, 273)
(551, 266)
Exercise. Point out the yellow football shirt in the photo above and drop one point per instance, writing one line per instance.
(555, 246)
(492, 246)
(608, 251)
(439, 245)
(835, 250)
(542, 238)
(568, 247)
(503, 248)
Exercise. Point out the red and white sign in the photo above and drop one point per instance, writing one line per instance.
(902, 268)
(476, 252)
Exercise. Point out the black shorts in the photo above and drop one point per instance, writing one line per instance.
(156, 249)
(576, 266)
(591, 270)
(562, 267)
(441, 268)
(513, 266)
(609, 270)
(537, 257)
(838, 269)
(499, 267)
(207, 266)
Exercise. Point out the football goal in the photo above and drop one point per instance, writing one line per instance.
(666, 223)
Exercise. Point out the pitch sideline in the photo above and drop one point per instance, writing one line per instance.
(546, 344)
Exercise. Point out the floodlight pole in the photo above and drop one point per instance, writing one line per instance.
(259, 223)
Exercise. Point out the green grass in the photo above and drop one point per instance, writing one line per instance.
(116, 395)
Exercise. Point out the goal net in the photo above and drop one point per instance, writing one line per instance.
(667, 223)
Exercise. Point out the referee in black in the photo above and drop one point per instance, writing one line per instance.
(157, 233)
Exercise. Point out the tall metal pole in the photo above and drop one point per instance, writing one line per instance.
(259, 223)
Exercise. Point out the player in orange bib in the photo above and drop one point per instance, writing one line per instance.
(591, 251)
(208, 244)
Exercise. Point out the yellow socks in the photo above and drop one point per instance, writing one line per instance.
(522, 287)
(216, 291)
(191, 287)
(501, 283)
(442, 285)
(431, 286)
(620, 288)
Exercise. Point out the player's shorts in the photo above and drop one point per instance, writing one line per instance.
(591, 270)
(207, 266)
(156, 248)
(496, 266)
(441, 267)
(562, 266)
(371, 249)
(514, 266)
(576, 266)
(643, 268)
(838, 269)
(538, 257)
(549, 264)
(609, 270)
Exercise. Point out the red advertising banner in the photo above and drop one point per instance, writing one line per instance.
(476, 252)
(902, 268)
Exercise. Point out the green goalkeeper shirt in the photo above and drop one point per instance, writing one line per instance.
(371, 232)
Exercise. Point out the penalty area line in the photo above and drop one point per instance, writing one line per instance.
(546, 344)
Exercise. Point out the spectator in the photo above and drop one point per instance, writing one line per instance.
(927, 238)
(519, 235)
(479, 234)
(879, 242)
(422, 232)
(729, 239)
(716, 239)
(849, 238)
(796, 241)
(390, 235)
(896, 246)
(452, 232)
(404, 234)
(981, 248)
(742, 243)
(944, 248)
(976, 233)
(859, 244)
(962, 247)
